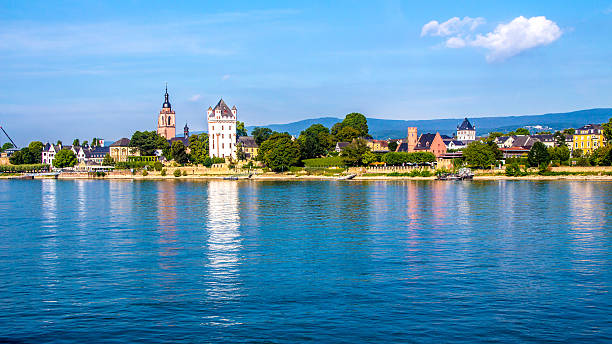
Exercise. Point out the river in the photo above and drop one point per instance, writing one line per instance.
(308, 261)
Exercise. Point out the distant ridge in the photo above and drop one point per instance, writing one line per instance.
(389, 128)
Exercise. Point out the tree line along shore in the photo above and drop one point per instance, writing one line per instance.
(319, 151)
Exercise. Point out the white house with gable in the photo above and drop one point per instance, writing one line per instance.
(222, 130)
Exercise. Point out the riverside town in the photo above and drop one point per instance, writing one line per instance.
(345, 151)
(306, 172)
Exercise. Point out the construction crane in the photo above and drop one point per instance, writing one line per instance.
(14, 145)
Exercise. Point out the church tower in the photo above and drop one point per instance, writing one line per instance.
(166, 121)
(222, 130)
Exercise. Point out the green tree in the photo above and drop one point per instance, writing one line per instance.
(76, 142)
(607, 131)
(569, 131)
(561, 153)
(261, 134)
(240, 154)
(493, 135)
(315, 141)
(495, 149)
(85, 143)
(65, 158)
(347, 134)
(95, 142)
(22, 157)
(577, 153)
(354, 151)
(179, 153)
(538, 155)
(369, 158)
(148, 142)
(358, 124)
(108, 160)
(198, 148)
(36, 148)
(240, 130)
(279, 152)
(59, 143)
(559, 139)
(601, 156)
(478, 154)
(519, 131)
(392, 146)
(6, 146)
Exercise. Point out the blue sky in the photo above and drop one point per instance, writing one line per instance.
(84, 69)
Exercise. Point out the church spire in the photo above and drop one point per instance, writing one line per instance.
(166, 100)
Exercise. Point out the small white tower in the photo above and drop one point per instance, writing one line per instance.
(466, 132)
(222, 130)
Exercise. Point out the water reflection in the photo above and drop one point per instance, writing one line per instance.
(224, 241)
(167, 217)
(588, 212)
(49, 259)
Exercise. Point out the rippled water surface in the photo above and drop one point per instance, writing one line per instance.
(226, 261)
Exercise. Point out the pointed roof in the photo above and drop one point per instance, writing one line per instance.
(166, 104)
(225, 110)
(466, 125)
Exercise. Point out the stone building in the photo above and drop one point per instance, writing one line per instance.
(121, 150)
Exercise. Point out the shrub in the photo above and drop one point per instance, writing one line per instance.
(325, 162)
(177, 173)
(100, 174)
(24, 168)
(514, 170)
(399, 158)
(158, 166)
(145, 173)
(184, 172)
(582, 161)
(163, 172)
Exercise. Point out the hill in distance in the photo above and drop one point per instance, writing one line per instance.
(388, 128)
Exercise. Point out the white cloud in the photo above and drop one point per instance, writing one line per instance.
(225, 77)
(452, 26)
(455, 42)
(505, 41)
(520, 34)
(195, 97)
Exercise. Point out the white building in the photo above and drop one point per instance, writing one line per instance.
(466, 132)
(222, 131)
(48, 153)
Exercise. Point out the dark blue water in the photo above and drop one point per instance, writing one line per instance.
(281, 262)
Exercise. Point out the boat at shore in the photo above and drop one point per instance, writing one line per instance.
(347, 177)
(462, 174)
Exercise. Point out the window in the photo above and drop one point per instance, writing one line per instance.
(213, 128)
(222, 145)
(169, 120)
(222, 136)
(230, 127)
(221, 127)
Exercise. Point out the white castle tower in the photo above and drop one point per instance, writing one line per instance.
(222, 131)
